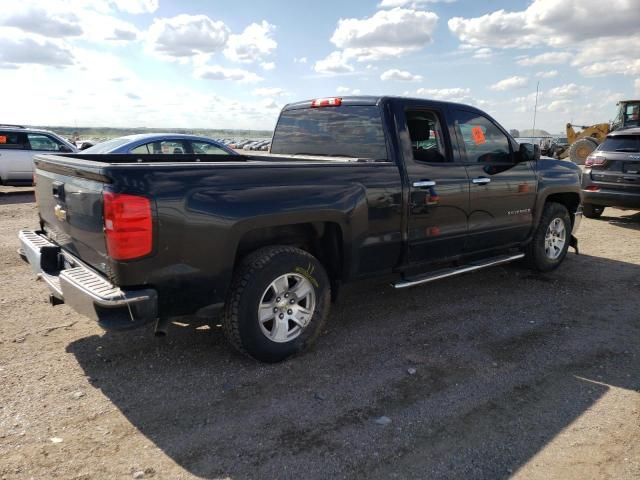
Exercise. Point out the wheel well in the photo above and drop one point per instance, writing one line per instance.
(321, 239)
(569, 200)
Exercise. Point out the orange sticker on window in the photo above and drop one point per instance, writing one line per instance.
(478, 135)
(3, 139)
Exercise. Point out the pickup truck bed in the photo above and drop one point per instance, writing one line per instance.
(405, 188)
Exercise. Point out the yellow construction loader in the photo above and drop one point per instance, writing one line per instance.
(585, 141)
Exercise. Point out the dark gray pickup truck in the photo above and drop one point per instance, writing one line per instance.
(353, 187)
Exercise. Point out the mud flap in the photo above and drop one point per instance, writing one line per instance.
(574, 243)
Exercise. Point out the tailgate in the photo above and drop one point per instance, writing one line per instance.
(70, 209)
(620, 174)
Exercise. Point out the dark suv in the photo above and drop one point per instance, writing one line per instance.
(611, 177)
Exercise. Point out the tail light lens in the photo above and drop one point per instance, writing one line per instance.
(128, 225)
(326, 102)
(595, 160)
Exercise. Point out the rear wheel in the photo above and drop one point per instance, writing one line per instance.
(550, 243)
(278, 302)
(592, 211)
(581, 149)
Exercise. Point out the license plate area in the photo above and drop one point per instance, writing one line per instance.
(632, 168)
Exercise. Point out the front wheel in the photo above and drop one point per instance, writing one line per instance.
(592, 211)
(551, 241)
(278, 301)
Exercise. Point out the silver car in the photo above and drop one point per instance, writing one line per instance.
(19, 144)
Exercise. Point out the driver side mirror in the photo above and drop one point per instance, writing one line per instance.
(64, 149)
(529, 152)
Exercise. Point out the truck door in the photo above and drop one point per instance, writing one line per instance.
(502, 188)
(438, 187)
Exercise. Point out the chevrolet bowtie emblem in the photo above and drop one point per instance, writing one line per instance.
(60, 213)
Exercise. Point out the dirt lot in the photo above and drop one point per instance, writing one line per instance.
(516, 375)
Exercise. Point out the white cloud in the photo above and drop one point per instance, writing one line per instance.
(599, 40)
(89, 21)
(398, 31)
(462, 95)
(334, 63)
(270, 104)
(509, 83)
(548, 22)
(409, 3)
(401, 75)
(136, 6)
(216, 72)
(45, 22)
(300, 60)
(482, 53)
(269, 92)
(567, 91)
(348, 91)
(253, 44)
(546, 58)
(621, 66)
(548, 74)
(267, 66)
(18, 48)
(636, 85)
(186, 36)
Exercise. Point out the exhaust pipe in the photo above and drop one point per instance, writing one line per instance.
(162, 327)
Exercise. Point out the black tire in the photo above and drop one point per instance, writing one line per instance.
(581, 149)
(592, 211)
(535, 254)
(251, 280)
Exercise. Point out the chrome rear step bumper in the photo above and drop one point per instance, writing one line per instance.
(85, 290)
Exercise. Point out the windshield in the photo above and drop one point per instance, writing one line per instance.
(348, 130)
(108, 146)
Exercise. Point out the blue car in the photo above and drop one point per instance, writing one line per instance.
(161, 143)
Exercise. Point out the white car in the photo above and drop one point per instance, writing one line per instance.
(18, 145)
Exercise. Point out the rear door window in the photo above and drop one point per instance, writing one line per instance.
(347, 130)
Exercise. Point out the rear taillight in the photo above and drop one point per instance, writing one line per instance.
(592, 188)
(128, 225)
(595, 160)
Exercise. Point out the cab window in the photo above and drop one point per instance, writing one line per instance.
(482, 140)
(427, 142)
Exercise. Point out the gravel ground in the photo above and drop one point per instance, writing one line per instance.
(503, 373)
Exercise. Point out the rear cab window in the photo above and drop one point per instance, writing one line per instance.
(621, 143)
(338, 131)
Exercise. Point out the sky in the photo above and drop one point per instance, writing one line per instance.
(234, 64)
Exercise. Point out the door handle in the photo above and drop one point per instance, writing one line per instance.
(424, 184)
(481, 180)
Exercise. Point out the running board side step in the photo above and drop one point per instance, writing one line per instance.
(453, 271)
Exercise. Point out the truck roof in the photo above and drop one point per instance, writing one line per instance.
(372, 100)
